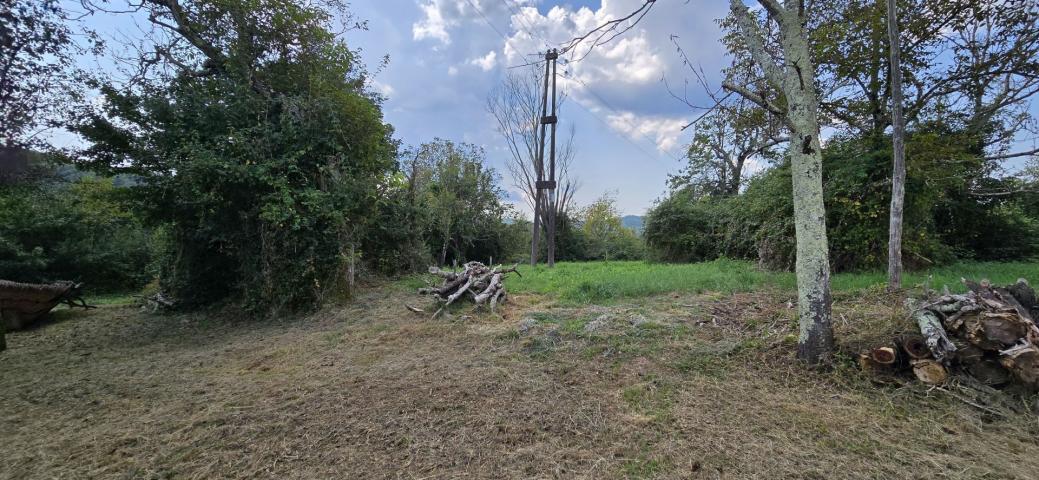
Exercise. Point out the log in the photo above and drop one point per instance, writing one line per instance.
(883, 356)
(934, 334)
(996, 330)
(915, 347)
(1023, 362)
(930, 371)
(491, 289)
(1025, 295)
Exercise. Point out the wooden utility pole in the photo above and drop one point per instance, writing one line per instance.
(551, 186)
(545, 203)
(898, 176)
(539, 167)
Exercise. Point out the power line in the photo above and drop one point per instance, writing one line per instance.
(489, 24)
(617, 113)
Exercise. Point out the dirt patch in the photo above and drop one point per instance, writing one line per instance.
(693, 386)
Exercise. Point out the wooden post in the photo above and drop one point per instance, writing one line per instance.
(540, 167)
(898, 175)
(551, 233)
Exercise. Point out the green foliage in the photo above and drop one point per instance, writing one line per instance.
(264, 165)
(604, 236)
(79, 230)
(943, 220)
(604, 282)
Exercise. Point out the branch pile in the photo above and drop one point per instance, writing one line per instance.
(483, 284)
(988, 333)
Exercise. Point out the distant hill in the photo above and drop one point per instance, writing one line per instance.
(633, 222)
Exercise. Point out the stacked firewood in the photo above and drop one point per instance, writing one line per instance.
(484, 285)
(988, 333)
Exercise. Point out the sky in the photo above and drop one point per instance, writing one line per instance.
(446, 56)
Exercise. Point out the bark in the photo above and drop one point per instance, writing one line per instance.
(1023, 362)
(898, 175)
(796, 79)
(934, 334)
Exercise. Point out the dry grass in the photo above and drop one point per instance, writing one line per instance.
(703, 387)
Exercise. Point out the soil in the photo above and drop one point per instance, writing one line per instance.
(674, 386)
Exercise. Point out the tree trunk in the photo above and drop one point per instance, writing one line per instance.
(796, 79)
(443, 253)
(351, 268)
(898, 175)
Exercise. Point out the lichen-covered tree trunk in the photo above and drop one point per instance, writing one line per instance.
(796, 79)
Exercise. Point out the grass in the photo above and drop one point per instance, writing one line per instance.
(597, 282)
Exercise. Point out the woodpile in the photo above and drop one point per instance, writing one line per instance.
(988, 333)
(482, 284)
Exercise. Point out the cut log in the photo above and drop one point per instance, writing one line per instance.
(1023, 362)
(883, 356)
(915, 346)
(930, 371)
(996, 330)
(934, 334)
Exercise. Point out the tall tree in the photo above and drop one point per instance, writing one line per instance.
(898, 176)
(793, 75)
(256, 142)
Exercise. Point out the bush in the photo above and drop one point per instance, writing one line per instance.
(80, 230)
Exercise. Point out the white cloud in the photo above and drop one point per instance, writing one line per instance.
(663, 131)
(452, 70)
(486, 62)
(433, 26)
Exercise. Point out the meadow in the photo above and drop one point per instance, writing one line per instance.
(588, 282)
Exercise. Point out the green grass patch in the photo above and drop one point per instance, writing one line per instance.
(604, 282)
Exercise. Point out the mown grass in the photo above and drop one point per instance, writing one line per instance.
(587, 282)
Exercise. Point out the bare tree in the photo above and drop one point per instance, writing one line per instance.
(898, 176)
(516, 108)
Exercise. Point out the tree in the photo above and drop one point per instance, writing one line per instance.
(516, 108)
(256, 142)
(37, 52)
(725, 139)
(461, 195)
(793, 75)
(607, 236)
(898, 176)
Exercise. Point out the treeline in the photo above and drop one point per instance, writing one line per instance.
(971, 190)
(245, 159)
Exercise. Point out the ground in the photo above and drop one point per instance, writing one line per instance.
(687, 383)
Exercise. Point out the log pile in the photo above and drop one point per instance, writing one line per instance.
(482, 284)
(988, 333)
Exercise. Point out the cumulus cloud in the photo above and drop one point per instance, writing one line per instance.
(665, 132)
(486, 62)
(433, 25)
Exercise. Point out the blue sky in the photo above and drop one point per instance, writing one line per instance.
(447, 55)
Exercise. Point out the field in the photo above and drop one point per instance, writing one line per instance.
(618, 370)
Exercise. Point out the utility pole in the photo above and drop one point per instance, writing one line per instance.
(552, 55)
(545, 204)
